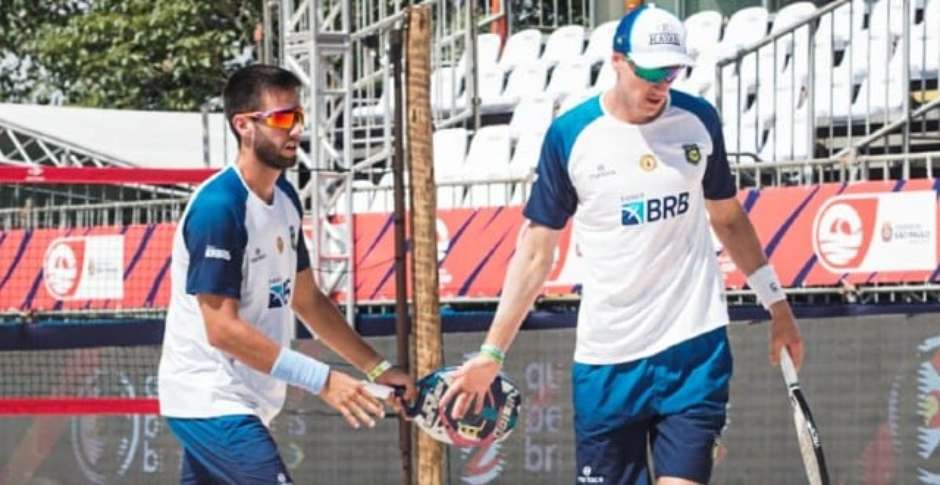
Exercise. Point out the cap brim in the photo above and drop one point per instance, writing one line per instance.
(653, 60)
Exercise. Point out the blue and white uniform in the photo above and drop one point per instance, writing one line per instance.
(651, 326)
(233, 244)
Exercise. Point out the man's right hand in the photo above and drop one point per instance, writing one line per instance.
(469, 385)
(350, 397)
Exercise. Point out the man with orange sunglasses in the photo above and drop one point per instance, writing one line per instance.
(240, 274)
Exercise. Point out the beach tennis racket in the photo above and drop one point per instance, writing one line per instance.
(806, 432)
(493, 424)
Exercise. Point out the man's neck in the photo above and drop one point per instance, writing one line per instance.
(259, 177)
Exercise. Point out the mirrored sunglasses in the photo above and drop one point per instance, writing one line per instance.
(657, 75)
(284, 119)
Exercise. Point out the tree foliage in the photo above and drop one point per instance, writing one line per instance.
(136, 54)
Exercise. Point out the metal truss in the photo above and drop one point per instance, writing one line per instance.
(20, 145)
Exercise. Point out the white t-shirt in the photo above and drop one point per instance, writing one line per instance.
(230, 243)
(637, 195)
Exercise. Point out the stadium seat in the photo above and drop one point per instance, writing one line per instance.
(569, 77)
(702, 76)
(882, 92)
(525, 157)
(703, 32)
(887, 18)
(925, 44)
(487, 53)
(532, 115)
(490, 81)
(565, 44)
(524, 81)
(523, 47)
(601, 43)
(488, 159)
(450, 150)
(446, 89)
(844, 22)
(787, 137)
(745, 27)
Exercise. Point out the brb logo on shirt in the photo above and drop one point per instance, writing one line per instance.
(279, 293)
(638, 210)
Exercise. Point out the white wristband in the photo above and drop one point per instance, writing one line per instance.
(300, 370)
(764, 282)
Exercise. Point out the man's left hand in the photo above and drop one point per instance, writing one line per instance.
(396, 377)
(784, 332)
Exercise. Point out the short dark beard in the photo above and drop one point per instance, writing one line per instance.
(270, 156)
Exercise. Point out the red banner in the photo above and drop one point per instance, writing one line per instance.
(862, 233)
(40, 174)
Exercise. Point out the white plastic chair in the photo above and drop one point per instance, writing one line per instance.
(489, 159)
(487, 52)
(745, 27)
(564, 44)
(601, 43)
(446, 89)
(703, 32)
(569, 77)
(532, 115)
(523, 47)
(450, 151)
(524, 81)
(526, 155)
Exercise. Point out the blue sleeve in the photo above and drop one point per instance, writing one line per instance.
(303, 257)
(215, 238)
(553, 199)
(717, 182)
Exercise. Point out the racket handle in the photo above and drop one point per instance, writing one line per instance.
(787, 367)
(379, 391)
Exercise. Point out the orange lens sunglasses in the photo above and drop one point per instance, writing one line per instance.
(284, 118)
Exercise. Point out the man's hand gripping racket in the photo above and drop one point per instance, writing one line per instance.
(806, 432)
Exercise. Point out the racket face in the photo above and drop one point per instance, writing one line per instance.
(810, 445)
(496, 421)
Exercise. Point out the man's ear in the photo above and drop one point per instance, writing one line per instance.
(243, 126)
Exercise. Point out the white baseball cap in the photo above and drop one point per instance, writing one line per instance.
(652, 37)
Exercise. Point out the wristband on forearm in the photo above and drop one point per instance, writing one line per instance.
(765, 284)
(378, 370)
(300, 370)
(493, 352)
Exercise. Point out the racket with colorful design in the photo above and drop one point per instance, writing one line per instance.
(493, 424)
(810, 446)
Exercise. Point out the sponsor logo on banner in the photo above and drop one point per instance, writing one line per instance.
(863, 233)
(85, 268)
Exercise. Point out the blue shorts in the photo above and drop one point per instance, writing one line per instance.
(674, 401)
(228, 450)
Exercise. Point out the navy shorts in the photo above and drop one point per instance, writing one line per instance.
(228, 450)
(673, 402)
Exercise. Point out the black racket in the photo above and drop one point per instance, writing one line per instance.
(806, 432)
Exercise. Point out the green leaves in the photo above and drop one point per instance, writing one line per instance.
(136, 54)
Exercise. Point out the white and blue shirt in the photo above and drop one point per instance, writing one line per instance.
(637, 193)
(230, 243)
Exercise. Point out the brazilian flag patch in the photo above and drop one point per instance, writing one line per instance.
(692, 153)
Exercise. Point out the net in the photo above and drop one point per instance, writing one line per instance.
(88, 241)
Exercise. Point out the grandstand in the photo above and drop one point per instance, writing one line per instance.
(831, 117)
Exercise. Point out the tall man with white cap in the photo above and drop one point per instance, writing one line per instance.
(639, 168)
